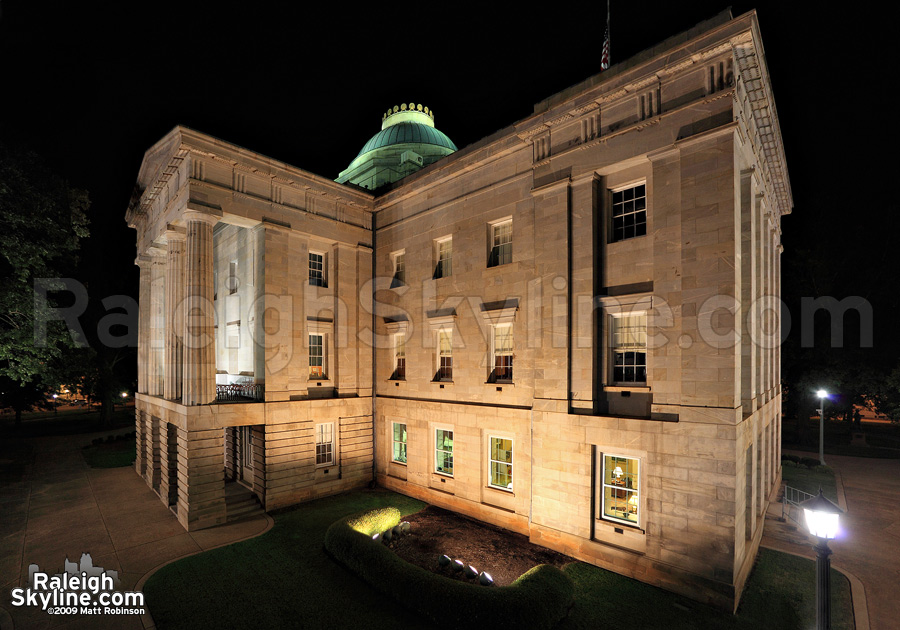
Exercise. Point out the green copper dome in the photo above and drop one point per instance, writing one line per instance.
(407, 132)
(406, 143)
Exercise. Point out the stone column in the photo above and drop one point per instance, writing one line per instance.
(139, 457)
(143, 322)
(174, 313)
(157, 321)
(199, 367)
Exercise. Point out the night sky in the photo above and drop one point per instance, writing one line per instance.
(91, 85)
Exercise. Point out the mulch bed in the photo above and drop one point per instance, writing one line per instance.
(503, 554)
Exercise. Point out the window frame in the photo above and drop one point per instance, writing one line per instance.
(332, 451)
(636, 491)
(490, 460)
(398, 343)
(398, 268)
(494, 259)
(443, 373)
(617, 349)
(323, 356)
(442, 270)
(321, 280)
(394, 442)
(510, 374)
(611, 196)
(436, 450)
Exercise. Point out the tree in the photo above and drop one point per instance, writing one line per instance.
(42, 221)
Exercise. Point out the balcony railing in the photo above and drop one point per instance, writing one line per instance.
(236, 392)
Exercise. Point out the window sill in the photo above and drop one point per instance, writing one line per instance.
(499, 269)
(503, 490)
(510, 383)
(394, 461)
(625, 537)
(626, 240)
(442, 382)
(443, 474)
(626, 388)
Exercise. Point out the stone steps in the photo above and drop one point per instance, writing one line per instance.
(240, 502)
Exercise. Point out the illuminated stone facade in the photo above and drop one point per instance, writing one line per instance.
(566, 319)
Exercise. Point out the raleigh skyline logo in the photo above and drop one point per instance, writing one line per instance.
(81, 589)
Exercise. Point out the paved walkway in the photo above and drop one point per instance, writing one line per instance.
(869, 545)
(62, 509)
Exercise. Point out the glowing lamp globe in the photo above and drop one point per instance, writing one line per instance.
(822, 393)
(822, 516)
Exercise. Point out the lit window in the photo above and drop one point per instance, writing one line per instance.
(399, 356)
(629, 212)
(399, 261)
(629, 348)
(316, 357)
(399, 441)
(500, 462)
(620, 494)
(325, 444)
(233, 282)
(445, 356)
(501, 244)
(317, 269)
(502, 353)
(443, 451)
(444, 255)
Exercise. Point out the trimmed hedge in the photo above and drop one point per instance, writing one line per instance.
(540, 598)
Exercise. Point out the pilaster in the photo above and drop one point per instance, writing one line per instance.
(174, 313)
(143, 262)
(157, 322)
(199, 364)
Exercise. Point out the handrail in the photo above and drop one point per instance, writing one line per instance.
(793, 497)
(237, 392)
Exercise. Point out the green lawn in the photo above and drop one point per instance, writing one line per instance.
(810, 480)
(285, 579)
(114, 454)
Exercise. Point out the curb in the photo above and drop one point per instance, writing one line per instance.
(857, 591)
(147, 618)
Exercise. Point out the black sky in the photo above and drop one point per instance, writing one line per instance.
(92, 85)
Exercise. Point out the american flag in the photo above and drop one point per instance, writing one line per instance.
(604, 55)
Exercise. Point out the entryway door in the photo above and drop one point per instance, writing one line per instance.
(246, 471)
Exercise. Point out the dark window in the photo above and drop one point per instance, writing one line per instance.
(629, 213)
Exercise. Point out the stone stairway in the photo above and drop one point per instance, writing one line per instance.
(240, 502)
(783, 533)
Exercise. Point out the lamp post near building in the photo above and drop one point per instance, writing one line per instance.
(55, 403)
(823, 395)
(822, 518)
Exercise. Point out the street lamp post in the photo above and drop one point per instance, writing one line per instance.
(823, 395)
(124, 399)
(55, 403)
(822, 518)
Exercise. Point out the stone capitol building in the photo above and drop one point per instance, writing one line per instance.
(564, 329)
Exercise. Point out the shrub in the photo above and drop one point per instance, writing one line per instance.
(787, 457)
(809, 462)
(538, 599)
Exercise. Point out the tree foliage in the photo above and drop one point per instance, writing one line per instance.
(42, 221)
